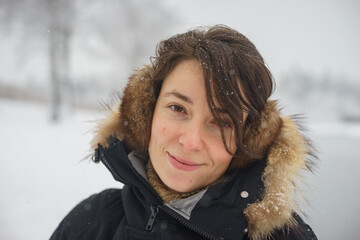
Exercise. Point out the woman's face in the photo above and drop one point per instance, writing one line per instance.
(186, 147)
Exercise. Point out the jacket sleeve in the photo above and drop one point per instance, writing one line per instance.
(96, 217)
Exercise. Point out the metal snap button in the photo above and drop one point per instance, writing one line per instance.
(244, 194)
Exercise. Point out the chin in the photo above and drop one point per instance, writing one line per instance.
(182, 190)
(177, 186)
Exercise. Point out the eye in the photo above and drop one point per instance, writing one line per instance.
(177, 108)
(224, 124)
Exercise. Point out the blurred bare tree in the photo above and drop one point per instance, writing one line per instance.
(60, 24)
(129, 28)
(52, 21)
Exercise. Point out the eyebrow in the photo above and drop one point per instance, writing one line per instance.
(178, 95)
(188, 100)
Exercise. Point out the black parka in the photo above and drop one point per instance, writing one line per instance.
(137, 212)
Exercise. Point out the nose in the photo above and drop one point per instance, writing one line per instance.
(191, 138)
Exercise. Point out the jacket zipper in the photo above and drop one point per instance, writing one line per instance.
(188, 225)
(108, 164)
(154, 213)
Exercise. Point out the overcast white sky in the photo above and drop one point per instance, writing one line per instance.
(321, 37)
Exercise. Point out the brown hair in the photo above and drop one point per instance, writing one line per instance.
(229, 60)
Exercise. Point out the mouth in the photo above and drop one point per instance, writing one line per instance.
(183, 164)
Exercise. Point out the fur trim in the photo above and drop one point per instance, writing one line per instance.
(286, 157)
(277, 138)
(131, 121)
(106, 127)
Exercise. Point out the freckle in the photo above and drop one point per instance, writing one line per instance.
(163, 130)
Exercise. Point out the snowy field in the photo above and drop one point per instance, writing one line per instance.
(42, 175)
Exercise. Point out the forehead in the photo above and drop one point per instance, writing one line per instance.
(186, 82)
(187, 75)
(188, 66)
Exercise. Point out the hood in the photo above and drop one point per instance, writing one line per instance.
(278, 138)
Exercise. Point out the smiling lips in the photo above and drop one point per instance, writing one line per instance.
(182, 164)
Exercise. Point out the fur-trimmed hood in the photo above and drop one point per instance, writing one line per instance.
(276, 137)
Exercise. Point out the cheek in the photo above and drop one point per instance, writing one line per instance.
(156, 126)
(159, 134)
(219, 154)
(163, 130)
(159, 130)
(224, 158)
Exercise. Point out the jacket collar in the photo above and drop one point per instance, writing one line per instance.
(115, 158)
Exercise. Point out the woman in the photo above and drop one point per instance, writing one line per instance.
(202, 151)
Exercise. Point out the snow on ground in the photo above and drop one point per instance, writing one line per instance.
(42, 176)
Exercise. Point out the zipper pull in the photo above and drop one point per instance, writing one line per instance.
(96, 157)
(154, 213)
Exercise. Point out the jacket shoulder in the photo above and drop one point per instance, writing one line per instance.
(94, 218)
(300, 231)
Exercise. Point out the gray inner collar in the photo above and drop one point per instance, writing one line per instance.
(184, 206)
(138, 162)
